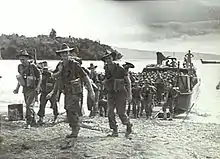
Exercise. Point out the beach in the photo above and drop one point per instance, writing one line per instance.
(149, 139)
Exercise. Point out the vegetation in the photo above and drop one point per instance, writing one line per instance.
(46, 45)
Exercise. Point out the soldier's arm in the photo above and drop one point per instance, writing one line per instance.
(55, 87)
(17, 88)
(128, 83)
(54, 90)
(39, 75)
(58, 70)
(85, 77)
(18, 84)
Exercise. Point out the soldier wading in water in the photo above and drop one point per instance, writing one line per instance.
(70, 74)
(30, 78)
(115, 79)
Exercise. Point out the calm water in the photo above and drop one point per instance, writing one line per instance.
(207, 108)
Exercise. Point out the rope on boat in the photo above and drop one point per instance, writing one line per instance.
(188, 112)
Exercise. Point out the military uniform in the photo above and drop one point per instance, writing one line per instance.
(30, 74)
(136, 101)
(171, 101)
(116, 97)
(160, 88)
(47, 86)
(93, 104)
(148, 99)
(71, 84)
(70, 75)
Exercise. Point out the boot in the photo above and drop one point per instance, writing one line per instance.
(128, 130)
(40, 121)
(90, 114)
(171, 117)
(54, 118)
(114, 133)
(164, 116)
(74, 134)
(27, 125)
(33, 122)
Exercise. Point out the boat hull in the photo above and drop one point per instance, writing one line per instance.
(187, 100)
(209, 62)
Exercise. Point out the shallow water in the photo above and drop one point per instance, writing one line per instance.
(205, 110)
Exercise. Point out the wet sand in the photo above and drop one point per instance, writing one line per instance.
(150, 139)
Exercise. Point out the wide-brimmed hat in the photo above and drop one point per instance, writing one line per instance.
(45, 65)
(92, 66)
(128, 64)
(109, 53)
(23, 53)
(64, 48)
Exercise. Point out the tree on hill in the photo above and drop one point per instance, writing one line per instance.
(46, 46)
(53, 34)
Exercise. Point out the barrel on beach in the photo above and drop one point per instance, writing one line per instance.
(15, 112)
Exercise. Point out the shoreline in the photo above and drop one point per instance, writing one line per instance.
(150, 139)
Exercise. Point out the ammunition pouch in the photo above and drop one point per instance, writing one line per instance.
(119, 85)
(49, 87)
(30, 81)
(21, 80)
(109, 84)
(73, 87)
(115, 85)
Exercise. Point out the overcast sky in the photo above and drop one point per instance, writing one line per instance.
(99, 19)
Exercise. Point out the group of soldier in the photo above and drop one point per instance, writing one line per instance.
(114, 90)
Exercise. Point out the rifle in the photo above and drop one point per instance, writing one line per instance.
(35, 56)
(35, 62)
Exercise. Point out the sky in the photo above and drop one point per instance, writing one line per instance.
(111, 22)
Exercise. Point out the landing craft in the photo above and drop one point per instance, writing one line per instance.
(187, 81)
(209, 62)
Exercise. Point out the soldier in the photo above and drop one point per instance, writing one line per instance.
(93, 105)
(103, 104)
(115, 79)
(46, 87)
(160, 85)
(30, 78)
(172, 94)
(127, 66)
(148, 92)
(136, 99)
(70, 74)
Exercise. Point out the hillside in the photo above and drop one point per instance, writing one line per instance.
(46, 46)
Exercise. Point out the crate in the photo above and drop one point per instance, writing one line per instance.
(15, 112)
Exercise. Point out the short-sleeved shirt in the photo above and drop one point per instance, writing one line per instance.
(115, 71)
(29, 70)
(71, 71)
(47, 81)
(136, 92)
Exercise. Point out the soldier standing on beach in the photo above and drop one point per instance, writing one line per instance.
(136, 99)
(46, 87)
(127, 66)
(30, 78)
(93, 105)
(115, 79)
(70, 74)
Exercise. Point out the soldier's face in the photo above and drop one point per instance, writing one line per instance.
(109, 59)
(64, 55)
(24, 60)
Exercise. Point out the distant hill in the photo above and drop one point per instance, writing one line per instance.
(144, 54)
(46, 45)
